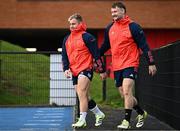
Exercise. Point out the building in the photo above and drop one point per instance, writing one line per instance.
(43, 23)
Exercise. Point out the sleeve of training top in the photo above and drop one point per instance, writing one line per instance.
(91, 44)
(65, 60)
(106, 44)
(140, 39)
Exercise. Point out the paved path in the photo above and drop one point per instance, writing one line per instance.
(36, 119)
(113, 118)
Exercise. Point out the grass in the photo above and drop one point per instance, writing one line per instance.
(24, 77)
(25, 80)
(113, 99)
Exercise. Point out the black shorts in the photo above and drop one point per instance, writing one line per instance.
(130, 72)
(88, 73)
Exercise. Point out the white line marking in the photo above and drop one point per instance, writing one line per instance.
(33, 124)
(47, 120)
(51, 111)
(49, 114)
(51, 108)
(48, 117)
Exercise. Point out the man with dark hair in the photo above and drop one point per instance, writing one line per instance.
(119, 5)
(125, 37)
(78, 51)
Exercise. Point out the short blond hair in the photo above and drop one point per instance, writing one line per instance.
(76, 16)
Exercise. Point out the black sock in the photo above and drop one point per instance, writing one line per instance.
(128, 114)
(91, 104)
(78, 108)
(138, 109)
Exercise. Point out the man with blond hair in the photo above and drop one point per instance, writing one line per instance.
(78, 51)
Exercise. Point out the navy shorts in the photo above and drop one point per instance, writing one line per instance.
(88, 73)
(130, 72)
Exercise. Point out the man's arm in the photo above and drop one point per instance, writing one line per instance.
(140, 39)
(65, 60)
(91, 44)
(106, 43)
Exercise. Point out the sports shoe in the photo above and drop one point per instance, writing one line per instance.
(80, 123)
(141, 119)
(99, 119)
(124, 125)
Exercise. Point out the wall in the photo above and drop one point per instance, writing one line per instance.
(160, 37)
(159, 95)
(54, 13)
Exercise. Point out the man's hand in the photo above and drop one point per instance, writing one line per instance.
(103, 76)
(152, 70)
(67, 73)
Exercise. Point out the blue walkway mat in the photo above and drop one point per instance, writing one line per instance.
(36, 119)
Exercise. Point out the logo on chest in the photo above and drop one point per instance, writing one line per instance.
(112, 32)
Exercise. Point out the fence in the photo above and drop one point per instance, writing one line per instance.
(33, 78)
(160, 95)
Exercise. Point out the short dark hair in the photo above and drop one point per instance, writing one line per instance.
(119, 5)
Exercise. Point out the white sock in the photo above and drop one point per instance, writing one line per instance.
(96, 110)
(83, 116)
